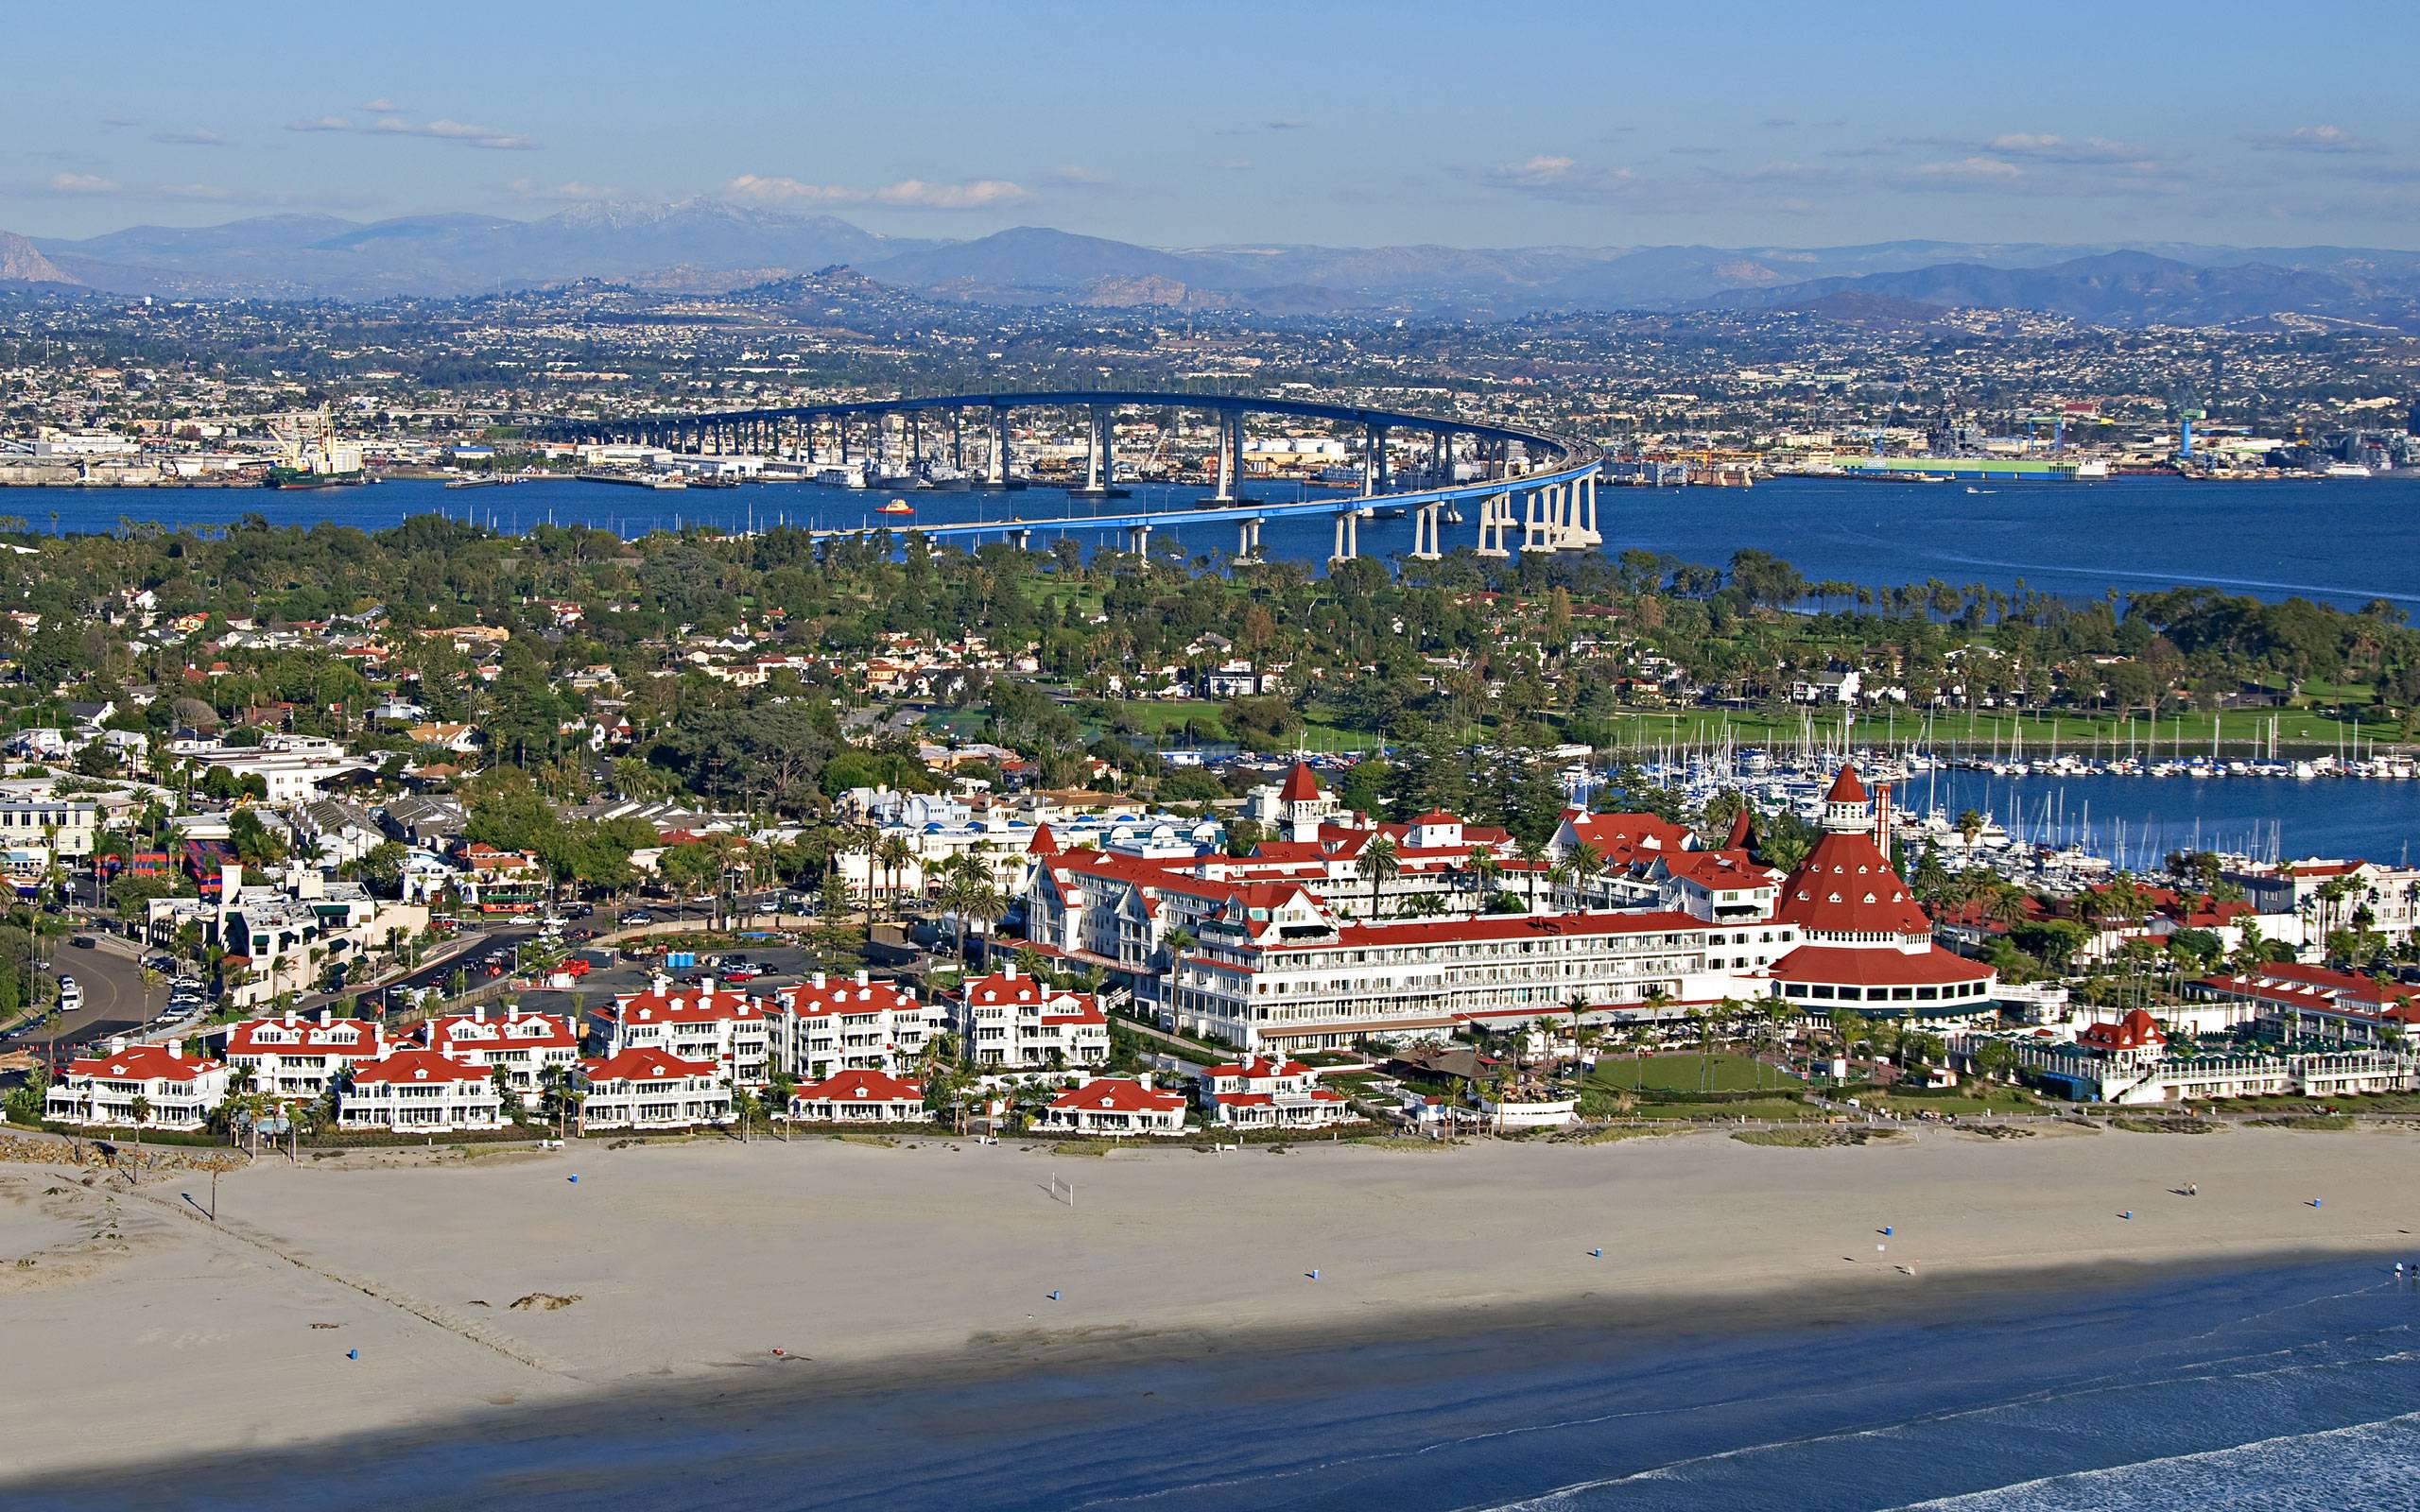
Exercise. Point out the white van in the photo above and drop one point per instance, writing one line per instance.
(71, 996)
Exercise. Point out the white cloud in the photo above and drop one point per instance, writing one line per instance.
(1553, 176)
(199, 138)
(382, 106)
(2310, 139)
(917, 194)
(979, 194)
(571, 191)
(440, 129)
(82, 184)
(1967, 173)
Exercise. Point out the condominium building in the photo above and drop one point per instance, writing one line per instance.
(526, 1045)
(642, 1088)
(1012, 1021)
(730, 1029)
(828, 1025)
(415, 1092)
(177, 1091)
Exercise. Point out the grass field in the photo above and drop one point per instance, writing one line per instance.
(1762, 1110)
(1686, 1073)
(1998, 1100)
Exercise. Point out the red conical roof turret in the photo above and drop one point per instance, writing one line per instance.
(1044, 842)
(1302, 785)
(1846, 788)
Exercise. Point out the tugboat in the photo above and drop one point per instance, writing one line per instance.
(896, 506)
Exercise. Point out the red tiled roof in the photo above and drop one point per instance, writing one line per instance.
(356, 1038)
(1506, 926)
(2135, 1031)
(143, 1064)
(644, 1063)
(1846, 788)
(1117, 1094)
(1878, 966)
(526, 1030)
(685, 1008)
(1302, 785)
(418, 1065)
(1844, 886)
(858, 1086)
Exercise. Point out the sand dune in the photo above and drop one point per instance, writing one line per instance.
(697, 1262)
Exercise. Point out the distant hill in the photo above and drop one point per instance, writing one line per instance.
(713, 246)
(2123, 289)
(20, 263)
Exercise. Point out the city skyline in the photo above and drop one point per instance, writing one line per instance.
(1350, 126)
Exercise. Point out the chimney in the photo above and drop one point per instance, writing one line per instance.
(862, 978)
(819, 981)
(325, 1014)
(176, 1049)
(478, 1013)
(1009, 970)
(1882, 819)
(115, 1044)
(705, 987)
(658, 981)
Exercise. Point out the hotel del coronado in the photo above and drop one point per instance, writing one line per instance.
(1311, 942)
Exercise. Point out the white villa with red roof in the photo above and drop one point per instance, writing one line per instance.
(730, 1029)
(178, 1090)
(644, 1088)
(1260, 1093)
(828, 1024)
(524, 1044)
(1012, 1021)
(301, 1057)
(858, 1097)
(416, 1091)
(1112, 1107)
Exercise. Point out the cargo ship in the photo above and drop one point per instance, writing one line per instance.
(295, 477)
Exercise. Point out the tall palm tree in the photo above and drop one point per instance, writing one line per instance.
(1378, 865)
(1533, 856)
(894, 856)
(1484, 868)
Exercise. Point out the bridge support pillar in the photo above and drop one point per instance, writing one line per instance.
(957, 441)
(1139, 539)
(1000, 475)
(1495, 525)
(1348, 536)
(1537, 522)
(1373, 460)
(1424, 524)
(1589, 532)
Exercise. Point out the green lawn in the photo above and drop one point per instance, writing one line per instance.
(1764, 1110)
(1685, 1073)
(1998, 1100)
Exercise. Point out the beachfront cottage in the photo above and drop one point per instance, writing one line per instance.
(645, 1088)
(421, 1091)
(178, 1090)
(1263, 1092)
(730, 1029)
(526, 1045)
(1112, 1106)
(825, 1025)
(1013, 1021)
(858, 1097)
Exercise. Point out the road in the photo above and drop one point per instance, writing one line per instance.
(111, 974)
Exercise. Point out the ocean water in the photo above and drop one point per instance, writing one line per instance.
(2284, 1387)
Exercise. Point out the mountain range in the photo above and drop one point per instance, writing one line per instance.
(711, 246)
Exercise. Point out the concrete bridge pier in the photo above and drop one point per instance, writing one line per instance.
(957, 439)
(1495, 525)
(1100, 464)
(1023, 540)
(1537, 527)
(1589, 533)
(1248, 540)
(1139, 539)
(1000, 475)
(1425, 547)
(1348, 536)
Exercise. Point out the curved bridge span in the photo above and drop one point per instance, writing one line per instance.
(1534, 491)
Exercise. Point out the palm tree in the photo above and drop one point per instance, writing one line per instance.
(1378, 865)
(1533, 856)
(894, 854)
(1484, 868)
(1585, 865)
(139, 1108)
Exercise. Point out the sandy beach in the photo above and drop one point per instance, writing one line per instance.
(481, 1286)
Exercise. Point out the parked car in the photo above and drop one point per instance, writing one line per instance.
(82, 942)
(636, 916)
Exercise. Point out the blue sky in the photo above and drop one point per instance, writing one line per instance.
(1352, 123)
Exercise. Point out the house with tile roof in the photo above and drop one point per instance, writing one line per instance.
(641, 1087)
(1115, 1108)
(857, 1097)
(178, 1090)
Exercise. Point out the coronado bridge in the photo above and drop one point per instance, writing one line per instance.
(1534, 492)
